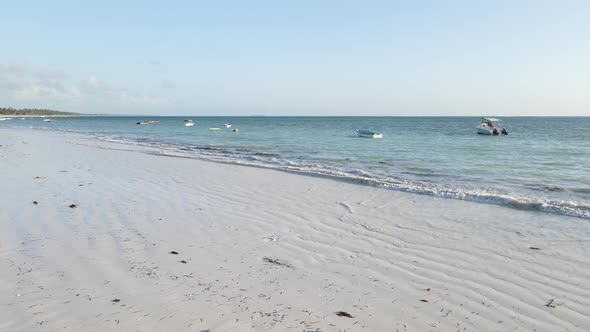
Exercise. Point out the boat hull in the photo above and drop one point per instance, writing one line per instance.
(368, 134)
(485, 131)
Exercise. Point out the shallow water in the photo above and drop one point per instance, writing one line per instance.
(541, 165)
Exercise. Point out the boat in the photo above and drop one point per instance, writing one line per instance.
(47, 120)
(368, 134)
(213, 128)
(235, 130)
(227, 125)
(188, 123)
(2, 119)
(491, 126)
(146, 122)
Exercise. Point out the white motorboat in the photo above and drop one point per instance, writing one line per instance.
(491, 126)
(368, 134)
(2, 119)
(188, 123)
(227, 125)
(47, 120)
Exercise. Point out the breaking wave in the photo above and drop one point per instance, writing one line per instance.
(255, 157)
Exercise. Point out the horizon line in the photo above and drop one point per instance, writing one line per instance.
(326, 116)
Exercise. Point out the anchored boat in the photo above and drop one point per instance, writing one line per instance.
(147, 122)
(491, 126)
(368, 134)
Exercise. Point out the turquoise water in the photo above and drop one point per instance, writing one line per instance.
(542, 165)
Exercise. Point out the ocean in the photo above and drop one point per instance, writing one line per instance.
(542, 165)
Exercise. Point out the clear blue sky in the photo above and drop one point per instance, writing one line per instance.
(297, 57)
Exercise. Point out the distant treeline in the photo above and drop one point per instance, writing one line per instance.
(31, 111)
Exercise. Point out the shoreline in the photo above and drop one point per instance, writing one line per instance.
(507, 199)
(265, 250)
(45, 116)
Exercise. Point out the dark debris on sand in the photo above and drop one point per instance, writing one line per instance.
(343, 314)
(276, 262)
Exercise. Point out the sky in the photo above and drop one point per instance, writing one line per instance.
(392, 58)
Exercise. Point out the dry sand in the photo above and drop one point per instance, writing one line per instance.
(265, 250)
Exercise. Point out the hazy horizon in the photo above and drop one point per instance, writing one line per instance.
(332, 58)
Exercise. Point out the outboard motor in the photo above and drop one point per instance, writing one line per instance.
(495, 132)
(504, 132)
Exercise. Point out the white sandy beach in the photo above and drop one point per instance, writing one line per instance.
(265, 250)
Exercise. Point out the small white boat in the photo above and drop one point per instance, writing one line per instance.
(2, 119)
(368, 134)
(227, 125)
(491, 126)
(47, 120)
(188, 123)
(147, 122)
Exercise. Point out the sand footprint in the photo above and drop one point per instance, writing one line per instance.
(271, 238)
